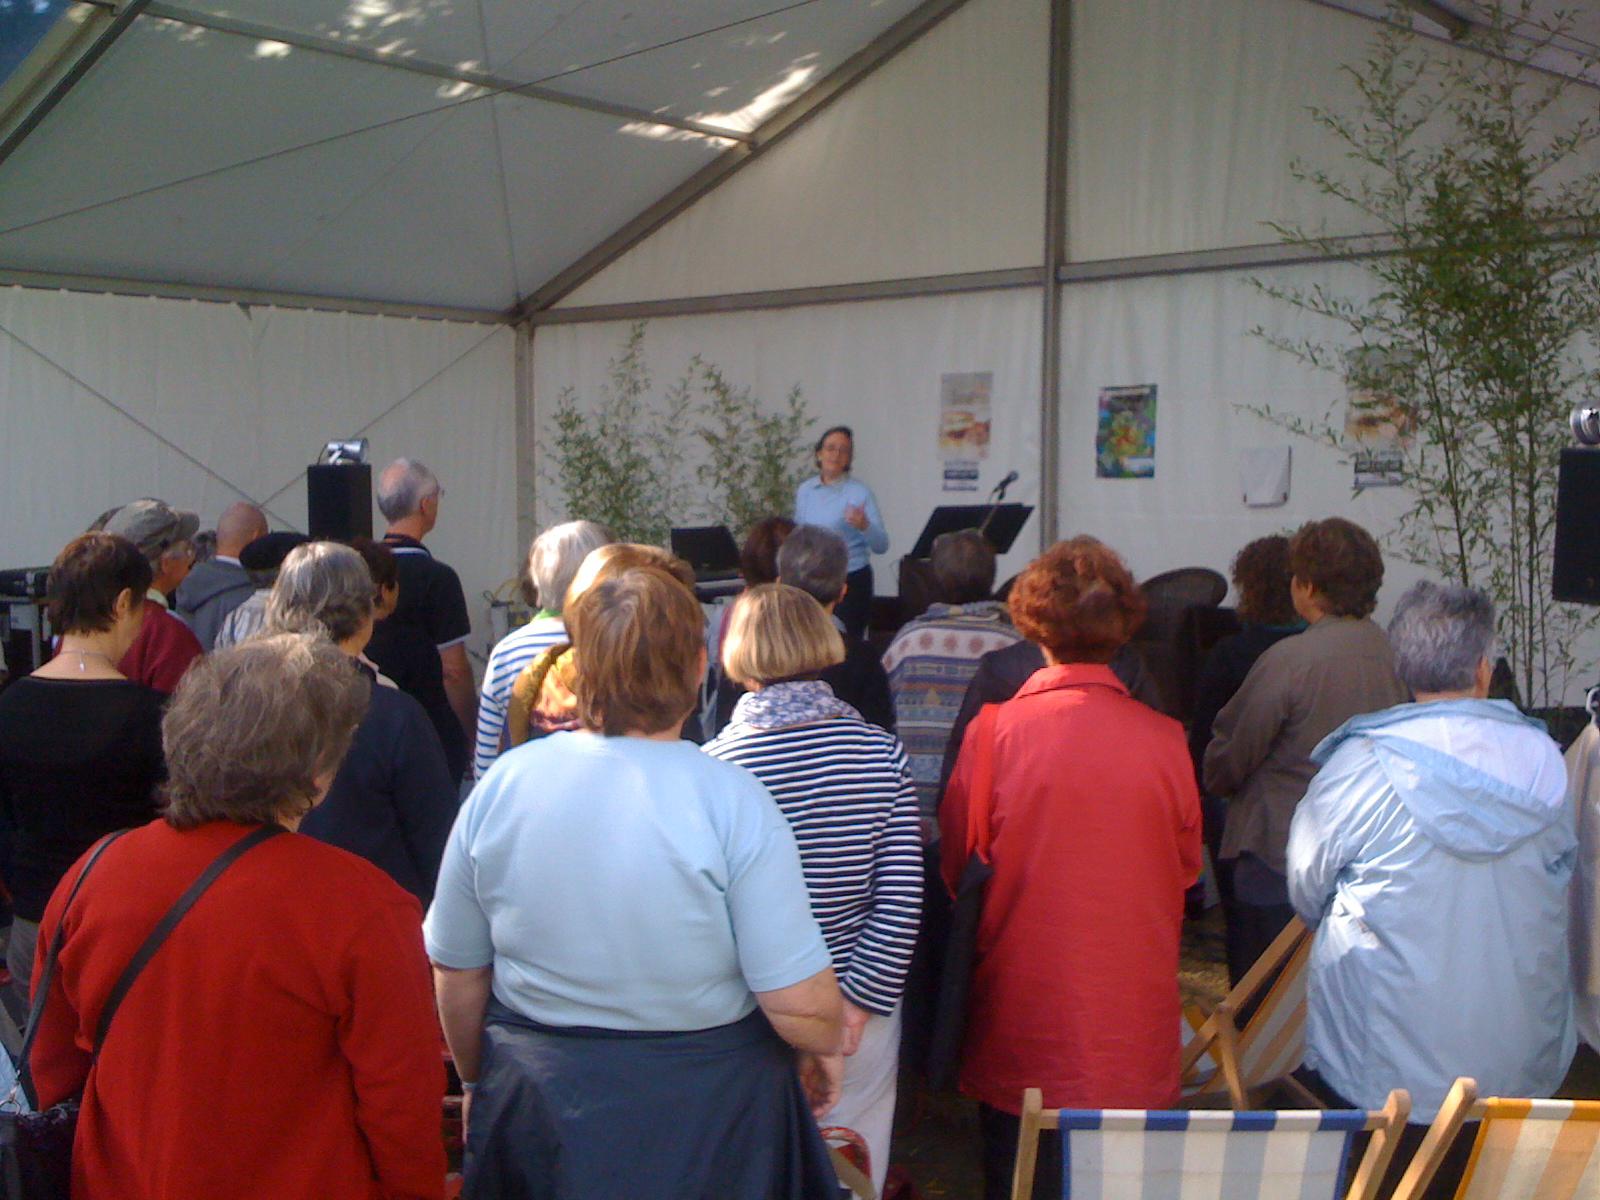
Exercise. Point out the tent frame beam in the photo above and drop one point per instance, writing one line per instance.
(839, 293)
(1055, 253)
(245, 297)
(769, 133)
(1237, 258)
(497, 84)
(124, 15)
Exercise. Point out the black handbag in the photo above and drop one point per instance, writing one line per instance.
(36, 1147)
(961, 943)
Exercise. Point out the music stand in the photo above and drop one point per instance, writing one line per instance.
(999, 523)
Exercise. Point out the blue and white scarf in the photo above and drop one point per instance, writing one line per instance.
(800, 702)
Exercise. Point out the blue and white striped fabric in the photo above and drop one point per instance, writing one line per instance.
(1139, 1154)
(511, 654)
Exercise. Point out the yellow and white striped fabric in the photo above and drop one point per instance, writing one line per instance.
(1535, 1150)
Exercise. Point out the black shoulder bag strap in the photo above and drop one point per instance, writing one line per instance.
(42, 987)
(145, 953)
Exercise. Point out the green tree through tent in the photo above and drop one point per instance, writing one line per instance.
(1468, 165)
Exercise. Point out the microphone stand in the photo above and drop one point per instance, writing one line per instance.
(996, 499)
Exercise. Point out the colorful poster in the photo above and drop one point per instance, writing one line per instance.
(1125, 438)
(1378, 426)
(964, 415)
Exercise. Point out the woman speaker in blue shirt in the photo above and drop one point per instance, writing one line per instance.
(847, 506)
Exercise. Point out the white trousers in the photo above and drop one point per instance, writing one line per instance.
(866, 1101)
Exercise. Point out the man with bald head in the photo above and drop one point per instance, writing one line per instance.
(219, 585)
(422, 645)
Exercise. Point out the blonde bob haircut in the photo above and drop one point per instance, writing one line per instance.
(778, 632)
(639, 638)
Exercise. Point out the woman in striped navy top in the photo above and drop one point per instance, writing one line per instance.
(845, 787)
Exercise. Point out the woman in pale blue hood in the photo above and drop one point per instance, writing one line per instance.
(1432, 853)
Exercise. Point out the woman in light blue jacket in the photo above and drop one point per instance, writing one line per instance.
(1432, 853)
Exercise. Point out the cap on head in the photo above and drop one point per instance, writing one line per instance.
(153, 526)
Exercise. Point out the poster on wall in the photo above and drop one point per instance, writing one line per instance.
(1125, 436)
(964, 426)
(1378, 427)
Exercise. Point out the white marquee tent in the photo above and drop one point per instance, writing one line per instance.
(232, 229)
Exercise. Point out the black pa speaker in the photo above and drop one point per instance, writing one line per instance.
(339, 501)
(1577, 553)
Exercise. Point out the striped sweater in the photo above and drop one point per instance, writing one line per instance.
(846, 789)
(506, 661)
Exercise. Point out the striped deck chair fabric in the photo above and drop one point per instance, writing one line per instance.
(1544, 1149)
(1133, 1154)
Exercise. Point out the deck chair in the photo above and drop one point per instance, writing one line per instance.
(1549, 1149)
(1219, 1057)
(1133, 1154)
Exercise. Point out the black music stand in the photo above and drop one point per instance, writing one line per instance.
(999, 523)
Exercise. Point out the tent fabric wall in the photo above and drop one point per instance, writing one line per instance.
(874, 366)
(1184, 119)
(1190, 336)
(932, 165)
(219, 403)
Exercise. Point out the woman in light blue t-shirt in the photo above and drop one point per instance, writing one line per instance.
(846, 506)
(620, 925)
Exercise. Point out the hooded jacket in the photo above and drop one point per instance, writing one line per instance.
(1432, 853)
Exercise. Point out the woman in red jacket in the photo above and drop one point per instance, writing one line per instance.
(282, 1041)
(1093, 827)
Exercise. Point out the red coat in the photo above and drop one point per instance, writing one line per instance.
(162, 652)
(1095, 834)
(281, 1043)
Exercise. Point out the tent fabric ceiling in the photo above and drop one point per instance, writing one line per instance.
(197, 154)
(193, 155)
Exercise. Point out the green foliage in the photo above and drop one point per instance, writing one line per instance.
(621, 462)
(754, 458)
(1483, 304)
(628, 460)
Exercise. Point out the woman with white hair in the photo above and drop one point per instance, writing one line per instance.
(1432, 854)
(553, 561)
(393, 800)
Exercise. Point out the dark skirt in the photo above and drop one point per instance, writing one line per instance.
(596, 1114)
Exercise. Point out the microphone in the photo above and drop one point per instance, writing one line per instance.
(999, 492)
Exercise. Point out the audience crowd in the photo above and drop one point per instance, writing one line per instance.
(684, 917)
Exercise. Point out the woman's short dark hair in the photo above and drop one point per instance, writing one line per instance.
(1077, 600)
(829, 432)
(88, 575)
(963, 566)
(380, 562)
(1341, 561)
(758, 557)
(638, 636)
(1261, 574)
(251, 728)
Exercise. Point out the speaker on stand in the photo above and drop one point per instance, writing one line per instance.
(339, 501)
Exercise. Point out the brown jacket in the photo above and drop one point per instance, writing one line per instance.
(1299, 691)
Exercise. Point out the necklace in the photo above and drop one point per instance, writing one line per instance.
(83, 654)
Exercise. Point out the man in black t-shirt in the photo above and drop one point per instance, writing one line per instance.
(423, 645)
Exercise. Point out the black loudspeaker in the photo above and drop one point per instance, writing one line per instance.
(1577, 553)
(339, 501)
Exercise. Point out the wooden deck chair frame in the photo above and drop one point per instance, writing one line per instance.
(1388, 1123)
(1461, 1105)
(1220, 1035)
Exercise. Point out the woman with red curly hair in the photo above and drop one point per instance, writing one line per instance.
(1086, 799)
